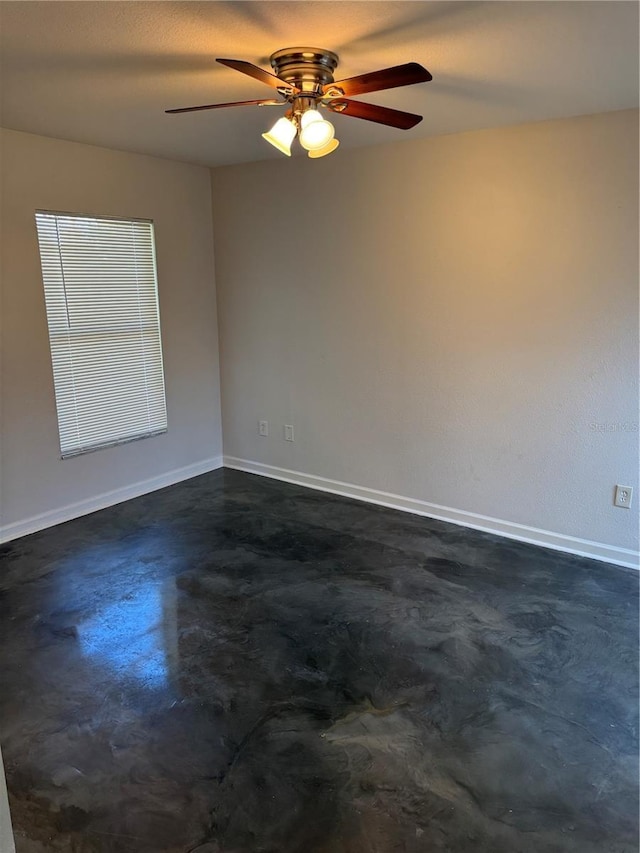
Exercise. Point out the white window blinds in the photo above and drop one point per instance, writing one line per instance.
(104, 329)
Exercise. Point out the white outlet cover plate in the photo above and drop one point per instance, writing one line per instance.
(623, 496)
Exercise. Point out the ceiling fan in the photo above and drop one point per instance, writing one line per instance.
(304, 80)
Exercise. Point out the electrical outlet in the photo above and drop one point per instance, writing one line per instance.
(623, 496)
(263, 427)
(288, 432)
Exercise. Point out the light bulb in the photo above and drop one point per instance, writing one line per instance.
(315, 131)
(322, 152)
(281, 135)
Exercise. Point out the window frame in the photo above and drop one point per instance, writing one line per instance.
(93, 448)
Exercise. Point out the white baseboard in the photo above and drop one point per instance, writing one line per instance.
(508, 529)
(134, 490)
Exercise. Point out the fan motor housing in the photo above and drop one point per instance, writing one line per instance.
(307, 68)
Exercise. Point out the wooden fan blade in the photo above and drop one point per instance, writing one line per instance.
(260, 103)
(387, 78)
(257, 73)
(372, 112)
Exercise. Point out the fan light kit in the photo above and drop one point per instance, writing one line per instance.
(304, 80)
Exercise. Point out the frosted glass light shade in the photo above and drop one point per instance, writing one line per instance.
(322, 152)
(316, 132)
(309, 116)
(281, 135)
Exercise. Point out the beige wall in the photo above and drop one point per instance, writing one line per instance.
(7, 844)
(443, 318)
(46, 173)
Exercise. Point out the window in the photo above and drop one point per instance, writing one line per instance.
(104, 329)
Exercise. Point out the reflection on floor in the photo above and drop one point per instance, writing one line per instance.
(236, 665)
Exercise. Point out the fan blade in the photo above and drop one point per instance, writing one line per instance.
(388, 78)
(256, 73)
(262, 103)
(372, 112)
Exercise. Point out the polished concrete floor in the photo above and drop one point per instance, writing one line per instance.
(237, 665)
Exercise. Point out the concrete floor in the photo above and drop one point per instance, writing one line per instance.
(237, 665)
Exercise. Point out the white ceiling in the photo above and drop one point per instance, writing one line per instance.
(104, 72)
